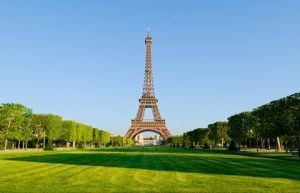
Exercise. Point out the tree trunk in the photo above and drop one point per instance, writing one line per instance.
(250, 145)
(262, 141)
(13, 145)
(256, 142)
(44, 143)
(278, 144)
(49, 142)
(5, 144)
(269, 145)
(74, 144)
(26, 144)
(298, 144)
(37, 143)
(19, 142)
(23, 145)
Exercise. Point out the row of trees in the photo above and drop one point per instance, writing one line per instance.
(121, 141)
(19, 127)
(274, 124)
(215, 134)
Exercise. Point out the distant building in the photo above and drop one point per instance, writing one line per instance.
(157, 137)
(142, 141)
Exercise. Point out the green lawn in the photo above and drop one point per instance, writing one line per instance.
(152, 169)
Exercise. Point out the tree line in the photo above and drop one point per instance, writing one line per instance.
(272, 125)
(21, 128)
(121, 141)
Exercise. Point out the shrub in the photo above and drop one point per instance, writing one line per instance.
(80, 146)
(206, 146)
(49, 147)
(232, 146)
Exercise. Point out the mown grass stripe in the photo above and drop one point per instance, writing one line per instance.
(143, 170)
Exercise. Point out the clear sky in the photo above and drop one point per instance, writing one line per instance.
(84, 60)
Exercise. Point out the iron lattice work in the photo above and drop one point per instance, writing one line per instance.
(148, 100)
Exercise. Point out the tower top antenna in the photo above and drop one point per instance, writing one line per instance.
(148, 31)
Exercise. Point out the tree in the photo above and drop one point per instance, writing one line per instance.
(117, 140)
(203, 136)
(197, 136)
(69, 132)
(39, 125)
(191, 137)
(87, 134)
(256, 126)
(279, 119)
(124, 141)
(11, 120)
(218, 132)
(114, 141)
(27, 129)
(176, 140)
(276, 119)
(104, 137)
(239, 126)
(232, 146)
(186, 139)
(293, 102)
(53, 128)
(18, 124)
(129, 141)
(263, 116)
(95, 135)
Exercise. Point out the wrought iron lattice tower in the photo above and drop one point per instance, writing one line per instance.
(148, 100)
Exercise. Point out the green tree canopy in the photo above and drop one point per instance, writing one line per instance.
(53, 127)
(11, 121)
(218, 131)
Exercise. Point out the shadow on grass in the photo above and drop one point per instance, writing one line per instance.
(166, 149)
(147, 149)
(212, 163)
(270, 155)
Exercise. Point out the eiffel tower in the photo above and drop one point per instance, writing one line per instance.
(148, 100)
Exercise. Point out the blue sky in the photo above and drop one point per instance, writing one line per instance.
(84, 60)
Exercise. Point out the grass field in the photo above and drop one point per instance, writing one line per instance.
(152, 169)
